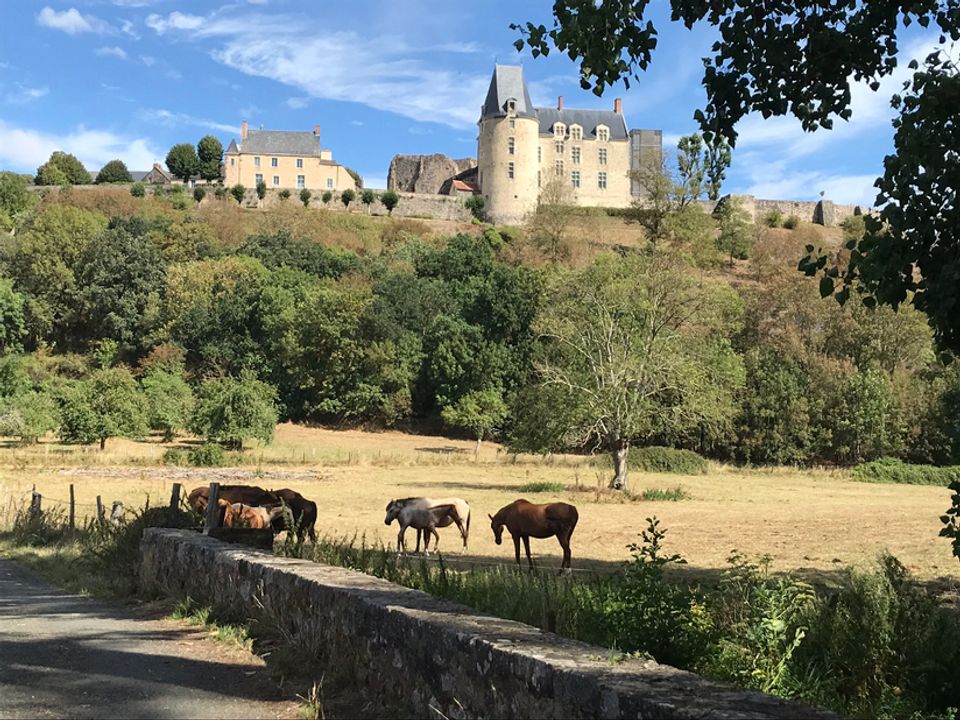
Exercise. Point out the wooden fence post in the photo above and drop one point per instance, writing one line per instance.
(100, 515)
(175, 497)
(212, 519)
(35, 501)
(73, 509)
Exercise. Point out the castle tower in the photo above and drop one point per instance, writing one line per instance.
(508, 154)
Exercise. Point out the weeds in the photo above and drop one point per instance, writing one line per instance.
(543, 486)
(665, 494)
(312, 702)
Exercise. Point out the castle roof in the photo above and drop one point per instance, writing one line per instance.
(587, 119)
(277, 142)
(507, 84)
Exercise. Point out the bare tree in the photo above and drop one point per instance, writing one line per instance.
(550, 222)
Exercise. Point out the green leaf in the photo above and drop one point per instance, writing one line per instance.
(826, 286)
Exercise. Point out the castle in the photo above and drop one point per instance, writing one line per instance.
(520, 148)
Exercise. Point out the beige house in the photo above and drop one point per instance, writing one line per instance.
(282, 159)
(521, 147)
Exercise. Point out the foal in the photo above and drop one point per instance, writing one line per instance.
(525, 520)
(426, 515)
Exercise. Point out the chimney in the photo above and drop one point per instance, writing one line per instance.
(618, 106)
(316, 130)
(243, 130)
(560, 102)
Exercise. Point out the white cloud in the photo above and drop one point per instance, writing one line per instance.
(26, 149)
(172, 119)
(174, 21)
(779, 182)
(71, 21)
(147, 60)
(117, 52)
(382, 72)
(23, 95)
(296, 103)
(126, 27)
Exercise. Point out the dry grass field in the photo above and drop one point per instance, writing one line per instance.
(814, 521)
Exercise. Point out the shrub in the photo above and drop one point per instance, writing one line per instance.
(326, 197)
(543, 486)
(138, 190)
(284, 194)
(207, 455)
(261, 190)
(668, 460)
(951, 520)
(238, 191)
(347, 197)
(175, 456)
(220, 193)
(894, 470)
(390, 199)
(791, 223)
(494, 238)
(368, 197)
(475, 204)
(665, 494)
(774, 219)
(305, 196)
(199, 194)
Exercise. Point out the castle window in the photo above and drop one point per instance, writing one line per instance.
(575, 178)
(301, 182)
(276, 181)
(511, 146)
(513, 123)
(559, 148)
(576, 132)
(256, 162)
(575, 155)
(602, 156)
(539, 153)
(273, 162)
(259, 178)
(559, 130)
(538, 178)
(603, 133)
(559, 167)
(602, 181)
(231, 162)
(511, 105)
(330, 183)
(510, 170)
(299, 163)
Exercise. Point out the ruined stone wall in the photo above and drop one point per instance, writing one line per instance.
(424, 173)
(426, 652)
(823, 212)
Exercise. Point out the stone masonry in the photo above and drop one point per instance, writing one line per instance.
(424, 173)
(425, 652)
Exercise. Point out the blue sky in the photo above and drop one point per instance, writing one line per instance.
(129, 78)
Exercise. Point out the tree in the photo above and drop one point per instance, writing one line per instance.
(691, 165)
(209, 157)
(182, 161)
(763, 63)
(169, 400)
(326, 197)
(15, 199)
(305, 196)
(62, 169)
(28, 416)
(390, 199)
(368, 198)
(199, 194)
(138, 190)
(239, 192)
(658, 197)
(718, 158)
(555, 212)
(630, 349)
(107, 405)
(347, 197)
(261, 191)
(736, 235)
(475, 204)
(284, 194)
(114, 171)
(229, 410)
(12, 324)
(479, 412)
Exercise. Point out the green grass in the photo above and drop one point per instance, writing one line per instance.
(204, 616)
(665, 494)
(543, 486)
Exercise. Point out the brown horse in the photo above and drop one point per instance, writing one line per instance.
(525, 520)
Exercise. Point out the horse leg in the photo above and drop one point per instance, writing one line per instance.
(426, 540)
(564, 539)
(463, 533)
(516, 548)
(526, 546)
(436, 536)
(417, 548)
(401, 545)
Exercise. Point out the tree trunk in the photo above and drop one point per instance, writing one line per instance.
(103, 443)
(619, 453)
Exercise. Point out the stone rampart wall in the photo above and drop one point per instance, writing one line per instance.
(425, 652)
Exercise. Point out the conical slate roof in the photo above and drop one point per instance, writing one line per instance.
(506, 84)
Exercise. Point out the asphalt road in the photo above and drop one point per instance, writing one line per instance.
(66, 656)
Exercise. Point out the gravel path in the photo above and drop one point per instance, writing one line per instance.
(66, 656)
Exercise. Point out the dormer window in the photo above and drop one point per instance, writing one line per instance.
(603, 133)
(559, 130)
(511, 106)
(576, 132)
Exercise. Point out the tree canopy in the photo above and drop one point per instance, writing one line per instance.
(114, 171)
(182, 161)
(209, 156)
(62, 169)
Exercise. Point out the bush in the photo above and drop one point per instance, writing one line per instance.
(138, 190)
(542, 486)
(390, 199)
(774, 219)
(238, 191)
(494, 238)
(220, 193)
(175, 456)
(199, 194)
(347, 197)
(326, 197)
(207, 455)
(667, 460)
(893, 470)
(305, 196)
(665, 494)
(791, 223)
(284, 194)
(475, 204)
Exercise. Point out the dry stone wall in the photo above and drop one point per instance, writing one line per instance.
(424, 652)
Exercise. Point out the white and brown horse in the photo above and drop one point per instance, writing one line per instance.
(426, 515)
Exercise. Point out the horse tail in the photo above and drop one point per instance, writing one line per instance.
(466, 535)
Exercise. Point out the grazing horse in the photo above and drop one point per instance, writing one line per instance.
(426, 515)
(525, 520)
(251, 516)
(246, 494)
(304, 514)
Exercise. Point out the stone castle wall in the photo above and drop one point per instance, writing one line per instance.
(424, 652)
(424, 173)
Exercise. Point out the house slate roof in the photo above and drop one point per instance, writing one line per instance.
(587, 119)
(507, 82)
(277, 142)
